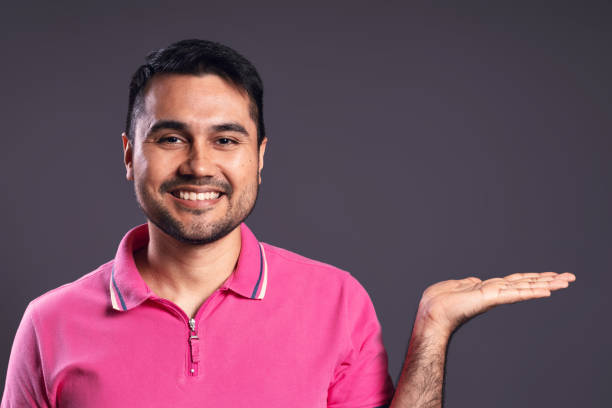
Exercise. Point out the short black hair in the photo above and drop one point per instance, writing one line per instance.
(198, 57)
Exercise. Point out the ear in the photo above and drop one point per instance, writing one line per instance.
(262, 150)
(128, 150)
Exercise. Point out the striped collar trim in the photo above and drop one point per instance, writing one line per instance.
(115, 294)
(259, 291)
(250, 278)
(127, 289)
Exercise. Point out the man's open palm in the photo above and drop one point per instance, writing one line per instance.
(448, 304)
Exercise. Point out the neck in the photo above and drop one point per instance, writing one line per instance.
(183, 273)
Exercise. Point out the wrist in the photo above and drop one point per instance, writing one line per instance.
(431, 330)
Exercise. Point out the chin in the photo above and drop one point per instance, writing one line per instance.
(196, 233)
(200, 238)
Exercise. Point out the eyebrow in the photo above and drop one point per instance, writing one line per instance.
(168, 124)
(230, 127)
(182, 127)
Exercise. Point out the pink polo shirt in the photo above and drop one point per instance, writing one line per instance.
(283, 331)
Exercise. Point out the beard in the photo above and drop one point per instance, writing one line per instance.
(240, 206)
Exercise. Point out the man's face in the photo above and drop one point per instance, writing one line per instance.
(194, 157)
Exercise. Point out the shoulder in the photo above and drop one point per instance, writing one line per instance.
(90, 290)
(292, 262)
(330, 295)
(303, 273)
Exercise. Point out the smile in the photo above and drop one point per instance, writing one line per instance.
(193, 196)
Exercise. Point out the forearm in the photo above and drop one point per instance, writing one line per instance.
(422, 378)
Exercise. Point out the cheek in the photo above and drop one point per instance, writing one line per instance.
(147, 179)
(142, 171)
(241, 168)
(152, 168)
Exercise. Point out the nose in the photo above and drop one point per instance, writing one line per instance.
(199, 162)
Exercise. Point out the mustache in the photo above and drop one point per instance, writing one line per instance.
(172, 184)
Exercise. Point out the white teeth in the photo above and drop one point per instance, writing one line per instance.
(193, 196)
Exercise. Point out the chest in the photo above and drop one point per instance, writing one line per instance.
(154, 356)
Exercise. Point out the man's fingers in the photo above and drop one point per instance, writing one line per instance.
(523, 275)
(537, 275)
(515, 281)
(570, 277)
(552, 284)
(512, 295)
(528, 286)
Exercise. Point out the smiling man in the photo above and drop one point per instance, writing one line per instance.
(193, 310)
(196, 171)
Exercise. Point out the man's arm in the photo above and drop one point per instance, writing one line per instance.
(443, 308)
(24, 380)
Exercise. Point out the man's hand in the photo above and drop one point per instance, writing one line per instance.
(446, 305)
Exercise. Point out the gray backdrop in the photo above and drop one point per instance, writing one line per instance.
(408, 144)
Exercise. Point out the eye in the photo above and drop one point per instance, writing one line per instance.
(225, 141)
(169, 140)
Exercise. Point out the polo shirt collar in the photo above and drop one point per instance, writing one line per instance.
(127, 288)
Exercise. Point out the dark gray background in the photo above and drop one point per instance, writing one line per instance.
(408, 144)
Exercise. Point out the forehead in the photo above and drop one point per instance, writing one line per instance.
(197, 100)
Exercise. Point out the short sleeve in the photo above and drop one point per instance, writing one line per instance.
(361, 379)
(24, 380)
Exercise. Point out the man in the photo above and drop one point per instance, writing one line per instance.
(193, 310)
